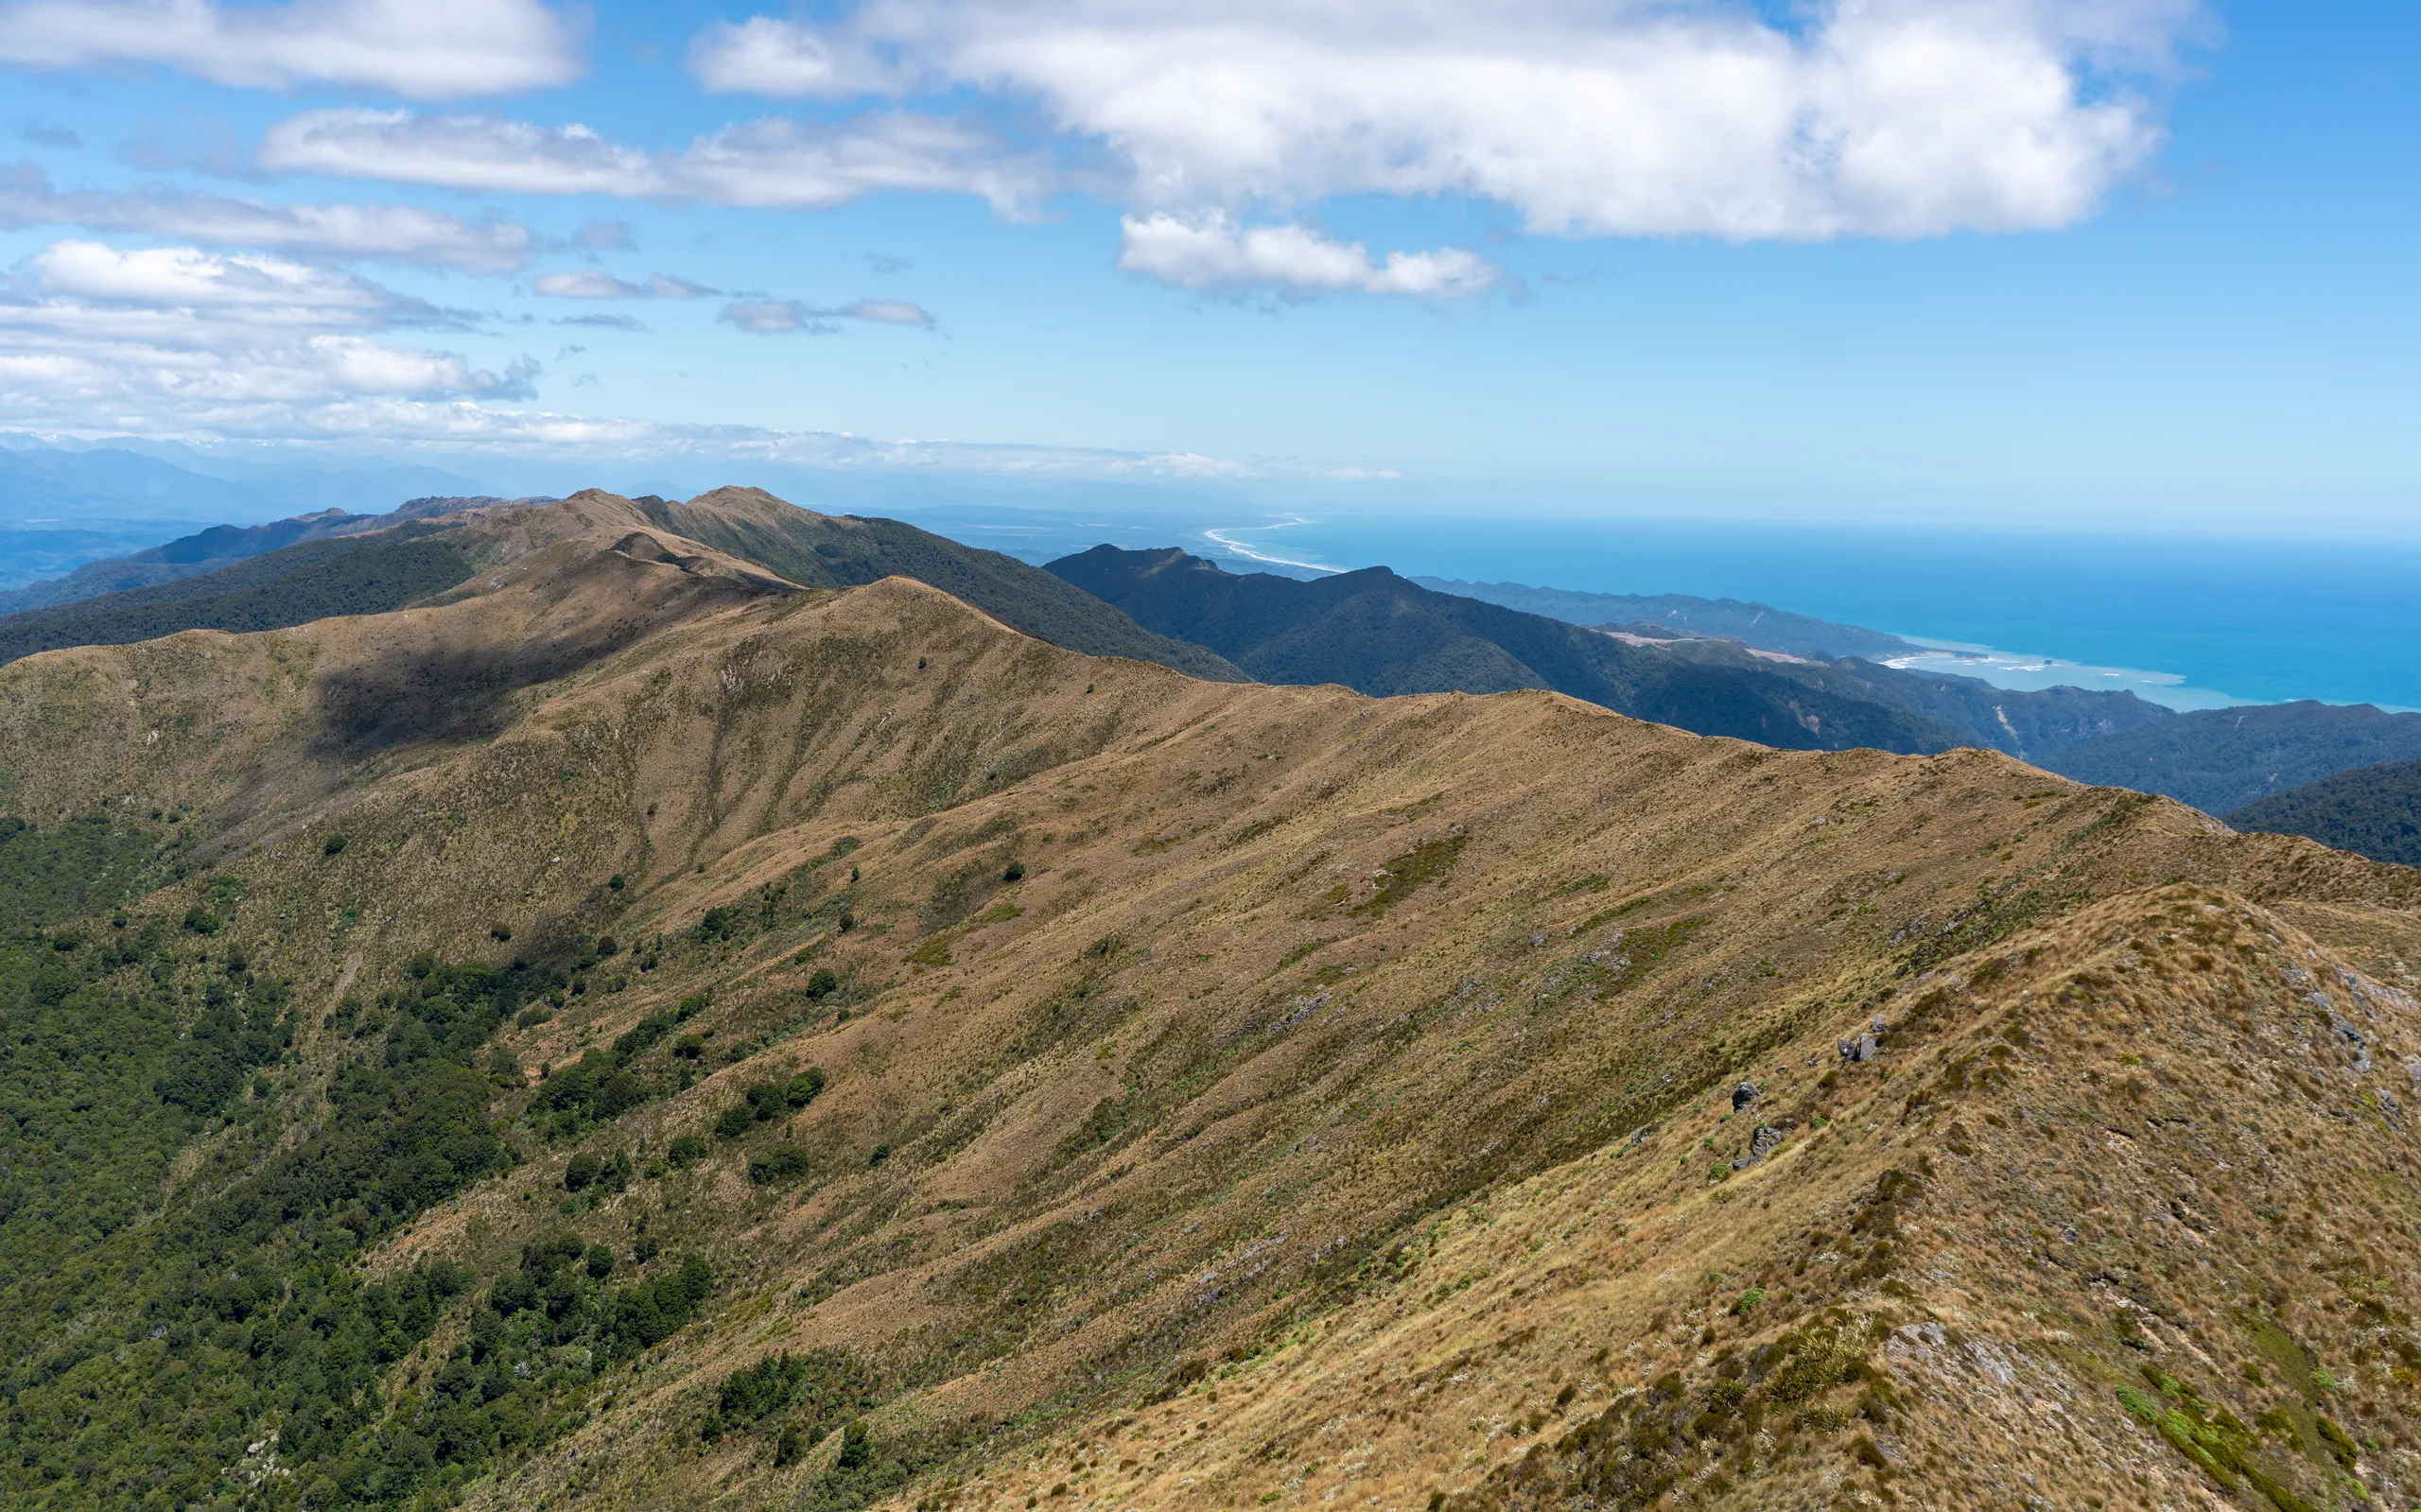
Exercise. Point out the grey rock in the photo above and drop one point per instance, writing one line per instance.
(2353, 1036)
(1743, 1095)
(1861, 1048)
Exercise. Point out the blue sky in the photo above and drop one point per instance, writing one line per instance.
(2136, 260)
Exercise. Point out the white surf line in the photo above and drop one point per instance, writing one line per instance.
(1253, 554)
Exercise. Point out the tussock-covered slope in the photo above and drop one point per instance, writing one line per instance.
(892, 1059)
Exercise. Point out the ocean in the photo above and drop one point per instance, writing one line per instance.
(2189, 621)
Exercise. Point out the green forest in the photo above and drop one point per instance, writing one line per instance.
(2372, 812)
(291, 587)
(237, 1310)
(189, 1320)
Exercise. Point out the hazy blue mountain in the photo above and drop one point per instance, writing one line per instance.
(108, 483)
(1754, 624)
(222, 545)
(184, 557)
(66, 503)
(290, 480)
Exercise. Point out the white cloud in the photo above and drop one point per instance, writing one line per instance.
(422, 49)
(265, 289)
(771, 317)
(402, 232)
(1860, 117)
(589, 283)
(459, 152)
(886, 312)
(1210, 252)
(770, 163)
(761, 56)
(171, 337)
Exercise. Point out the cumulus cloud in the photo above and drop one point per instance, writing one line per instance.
(1894, 118)
(762, 56)
(171, 337)
(590, 282)
(421, 49)
(1210, 252)
(254, 287)
(402, 232)
(770, 163)
(772, 317)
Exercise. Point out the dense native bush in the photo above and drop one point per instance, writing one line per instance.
(236, 1310)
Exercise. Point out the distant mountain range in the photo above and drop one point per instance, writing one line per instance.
(1714, 667)
(64, 504)
(224, 546)
(128, 476)
(1381, 634)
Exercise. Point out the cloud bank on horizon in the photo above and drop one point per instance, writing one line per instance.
(1218, 137)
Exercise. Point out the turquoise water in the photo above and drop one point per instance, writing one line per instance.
(2190, 621)
(2230, 619)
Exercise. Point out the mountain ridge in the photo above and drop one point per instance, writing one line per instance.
(824, 1047)
(371, 564)
(1383, 634)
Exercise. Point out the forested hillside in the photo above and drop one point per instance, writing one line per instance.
(362, 575)
(2372, 812)
(2219, 760)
